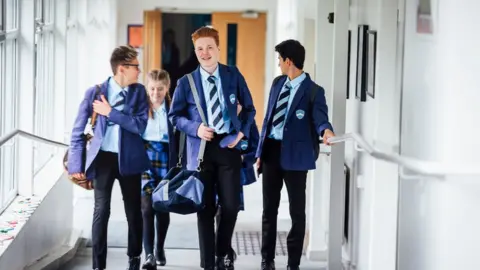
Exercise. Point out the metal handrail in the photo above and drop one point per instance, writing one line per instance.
(424, 168)
(29, 135)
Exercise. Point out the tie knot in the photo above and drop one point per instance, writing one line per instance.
(211, 79)
(288, 86)
(123, 93)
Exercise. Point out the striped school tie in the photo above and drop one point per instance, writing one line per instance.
(281, 109)
(121, 101)
(215, 106)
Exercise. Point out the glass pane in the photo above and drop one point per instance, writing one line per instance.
(11, 14)
(2, 118)
(44, 98)
(38, 9)
(2, 27)
(232, 44)
(10, 123)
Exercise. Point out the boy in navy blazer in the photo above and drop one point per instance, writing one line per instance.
(220, 88)
(116, 151)
(296, 116)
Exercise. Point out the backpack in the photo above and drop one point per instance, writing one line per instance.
(313, 93)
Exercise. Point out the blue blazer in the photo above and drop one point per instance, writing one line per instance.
(132, 157)
(249, 157)
(297, 145)
(185, 117)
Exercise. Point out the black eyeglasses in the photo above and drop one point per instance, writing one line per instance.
(131, 65)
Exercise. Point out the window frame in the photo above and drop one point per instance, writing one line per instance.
(44, 90)
(9, 100)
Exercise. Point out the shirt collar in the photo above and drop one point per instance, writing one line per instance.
(161, 108)
(205, 74)
(115, 86)
(295, 82)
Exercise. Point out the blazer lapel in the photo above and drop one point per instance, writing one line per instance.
(197, 78)
(101, 120)
(276, 92)
(298, 96)
(225, 78)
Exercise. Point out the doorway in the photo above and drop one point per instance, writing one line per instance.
(168, 45)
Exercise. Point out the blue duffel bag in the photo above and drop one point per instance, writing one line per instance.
(180, 192)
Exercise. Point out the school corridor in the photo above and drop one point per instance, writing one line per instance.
(399, 189)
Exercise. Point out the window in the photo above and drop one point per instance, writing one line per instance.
(8, 98)
(44, 81)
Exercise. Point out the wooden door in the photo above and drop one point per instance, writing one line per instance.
(250, 56)
(152, 41)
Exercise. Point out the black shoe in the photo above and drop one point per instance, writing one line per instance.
(293, 267)
(149, 263)
(161, 259)
(225, 263)
(268, 265)
(134, 263)
(232, 255)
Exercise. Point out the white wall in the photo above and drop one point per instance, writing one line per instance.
(377, 120)
(439, 218)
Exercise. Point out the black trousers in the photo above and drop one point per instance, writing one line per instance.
(149, 226)
(295, 181)
(106, 172)
(220, 175)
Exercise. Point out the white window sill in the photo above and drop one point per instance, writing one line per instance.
(17, 214)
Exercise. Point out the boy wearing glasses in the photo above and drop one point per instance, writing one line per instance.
(115, 152)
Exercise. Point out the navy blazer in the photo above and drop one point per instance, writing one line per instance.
(298, 152)
(185, 117)
(173, 143)
(249, 157)
(132, 157)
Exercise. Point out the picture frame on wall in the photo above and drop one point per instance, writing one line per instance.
(362, 56)
(135, 35)
(371, 62)
(348, 62)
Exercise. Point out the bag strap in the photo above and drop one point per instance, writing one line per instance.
(181, 148)
(203, 143)
(94, 114)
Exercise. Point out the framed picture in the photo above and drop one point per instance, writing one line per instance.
(348, 62)
(372, 62)
(362, 51)
(424, 17)
(135, 35)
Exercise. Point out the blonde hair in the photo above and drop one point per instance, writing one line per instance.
(159, 75)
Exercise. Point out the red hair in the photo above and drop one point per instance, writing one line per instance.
(206, 32)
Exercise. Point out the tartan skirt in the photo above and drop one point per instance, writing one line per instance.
(158, 154)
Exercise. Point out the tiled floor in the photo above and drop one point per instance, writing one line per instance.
(179, 259)
(182, 239)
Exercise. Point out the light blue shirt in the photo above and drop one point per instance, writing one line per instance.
(110, 141)
(277, 133)
(157, 127)
(207, 86)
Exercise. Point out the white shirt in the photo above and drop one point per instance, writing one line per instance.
(157, 127)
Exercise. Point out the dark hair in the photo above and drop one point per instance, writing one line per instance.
(293, 50)
(122, 55)
(162, 76)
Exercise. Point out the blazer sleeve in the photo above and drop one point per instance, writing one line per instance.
(77, 149)
(178, 114)
(137, 122)
(320, 112)
(248, 109)
(249, 157)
